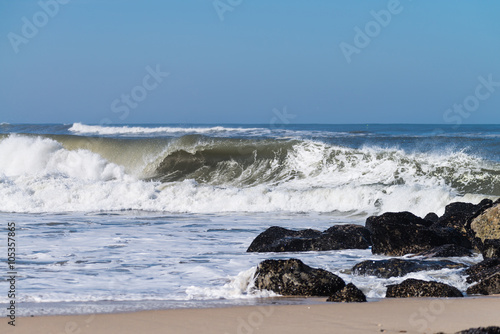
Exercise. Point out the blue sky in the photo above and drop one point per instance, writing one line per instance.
(235, 61)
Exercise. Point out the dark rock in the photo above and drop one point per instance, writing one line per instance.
(398, 267)
(458, 214)
(402, 233)
(491, 248)
(482, 270)
(349, 294)
(432, 217)
(453, 236)
(448, 250)
(418, 288)
(294, 278)
(486, 225)
(348, 236)
(481, 330)
(487, 286)
(277, 239)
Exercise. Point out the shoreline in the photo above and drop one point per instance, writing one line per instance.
(389, 315)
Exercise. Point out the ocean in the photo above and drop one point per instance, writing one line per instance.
(133, 217)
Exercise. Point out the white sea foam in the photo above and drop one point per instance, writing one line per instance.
(132, 130)
(110, 230)
(40, 175)
(241, 286)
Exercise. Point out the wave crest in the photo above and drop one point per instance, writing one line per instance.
(201, 174)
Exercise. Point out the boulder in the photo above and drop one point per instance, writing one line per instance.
(487, 286)
(401, 233)
(347, 236)
(491, 248)
(294, 278)
(458, 214)
(448, 250)
(432, 217)
(481, 330)
(418, 288)
(277, 239)
(349, 294)
(482, 270)
(486, 225)
(398, 267)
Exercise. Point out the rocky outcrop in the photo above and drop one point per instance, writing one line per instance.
(277, 239)
(432, 217)
(458, 214)
(401, 233)
(486, 286)
(294, 278)
(448, 250)
(487, 276)
(481, 330)
(348, 236)
(491, 249)
(418, 288)
(486, 225)
(349, 294)
(398, 267)
(482, 270)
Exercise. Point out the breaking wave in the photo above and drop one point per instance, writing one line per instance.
(79, 128)
(195, 173)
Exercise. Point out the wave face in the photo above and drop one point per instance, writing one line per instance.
(195, 173)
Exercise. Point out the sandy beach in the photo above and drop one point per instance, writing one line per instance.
(424, 315)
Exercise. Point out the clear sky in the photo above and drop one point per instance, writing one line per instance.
(235, 61)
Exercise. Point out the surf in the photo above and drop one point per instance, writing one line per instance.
(199, 174)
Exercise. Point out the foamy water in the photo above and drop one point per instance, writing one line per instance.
(163, 215)
(139, 257)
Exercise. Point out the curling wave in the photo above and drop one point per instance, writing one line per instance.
(195, 173)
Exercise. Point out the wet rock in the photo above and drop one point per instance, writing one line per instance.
(402, 233)
(458, 214)
(448, 250)
(294, 278)
(349, 294)
(481, 330)
(418, 288)
(432, 217)
(398, 267)
(491, 248)
(482, 270)
(487, 286)
(348, 236)
(277, 239)
(487, 224)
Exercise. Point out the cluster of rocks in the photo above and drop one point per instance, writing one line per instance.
(463, 229)
(480, 330)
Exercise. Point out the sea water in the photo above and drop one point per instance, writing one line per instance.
(112, 218)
